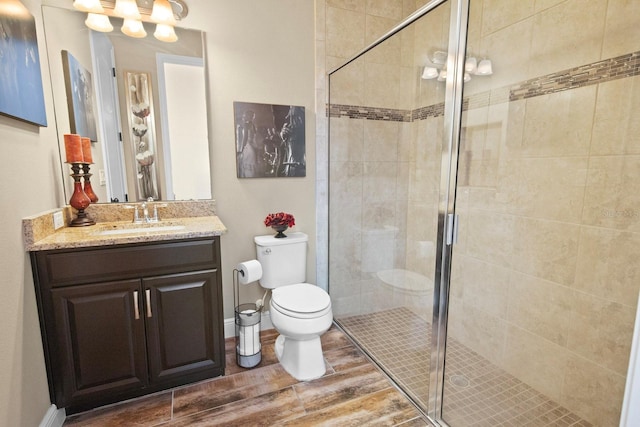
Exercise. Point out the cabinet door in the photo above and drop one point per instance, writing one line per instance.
(184, 326)
(99, 343)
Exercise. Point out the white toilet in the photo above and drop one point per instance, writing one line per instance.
(300, 312)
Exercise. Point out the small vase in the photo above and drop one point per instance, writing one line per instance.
(280, 229)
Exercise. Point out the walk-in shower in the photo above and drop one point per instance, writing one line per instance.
(484, 219)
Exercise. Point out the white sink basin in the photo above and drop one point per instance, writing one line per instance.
(141, 229)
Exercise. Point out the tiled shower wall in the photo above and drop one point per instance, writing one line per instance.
(545, 278)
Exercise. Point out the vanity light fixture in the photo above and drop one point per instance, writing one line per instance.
(436, 67)
(98, 22)
(90, 6)
(164, 14)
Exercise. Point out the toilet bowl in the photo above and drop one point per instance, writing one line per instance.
(301, 313)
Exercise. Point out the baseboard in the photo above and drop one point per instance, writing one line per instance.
(54, 417)
(230, 325)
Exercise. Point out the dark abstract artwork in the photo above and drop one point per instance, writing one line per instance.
(21, 94)
(270, 140)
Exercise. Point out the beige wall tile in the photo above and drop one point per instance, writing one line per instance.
(379, 182)
(490, 237)
(545, 249)
(616, 128)
(608, 265)
(346, 86)
(567, 35)
(355, 5)
(381, 141)
(386, 8)
(480, 331)
(346, 185)
(345, 32)
(622, 34)
(535, 361)
(498, 14)
(549, 188)
(486, 286)
(558, 124)
(382, 85)
(320, 22)
(601, 331)
(347, 139)
(540, 307)
(509, 50)
(612, 195)
(546, 4)
(387, 52)
(593, 392)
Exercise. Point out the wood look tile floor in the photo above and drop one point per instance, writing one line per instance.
(353, 392)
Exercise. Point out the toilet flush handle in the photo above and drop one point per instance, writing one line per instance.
(267, 251)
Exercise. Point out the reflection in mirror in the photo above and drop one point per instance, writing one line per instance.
(163, 154)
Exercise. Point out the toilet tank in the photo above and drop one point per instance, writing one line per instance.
(284, 261)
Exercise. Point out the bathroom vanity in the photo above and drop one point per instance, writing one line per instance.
(139, 314)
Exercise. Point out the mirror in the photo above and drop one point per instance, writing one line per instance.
(150, 136)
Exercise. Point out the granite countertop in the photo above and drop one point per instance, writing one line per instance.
(181, 221)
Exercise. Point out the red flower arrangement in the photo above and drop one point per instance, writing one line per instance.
(280, 218)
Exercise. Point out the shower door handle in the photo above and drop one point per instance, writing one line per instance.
(452, 229)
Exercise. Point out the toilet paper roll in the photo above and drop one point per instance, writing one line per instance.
(250, 271)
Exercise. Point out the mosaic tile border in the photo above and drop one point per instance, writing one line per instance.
(619, 67)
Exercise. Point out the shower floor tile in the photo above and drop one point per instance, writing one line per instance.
(477, 393)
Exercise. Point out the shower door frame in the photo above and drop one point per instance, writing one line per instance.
(446, 232)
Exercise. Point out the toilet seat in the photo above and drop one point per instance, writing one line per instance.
(301, 301)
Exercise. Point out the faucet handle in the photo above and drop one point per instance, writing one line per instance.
(136, 213)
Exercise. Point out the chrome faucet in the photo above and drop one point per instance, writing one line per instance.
(144, 217)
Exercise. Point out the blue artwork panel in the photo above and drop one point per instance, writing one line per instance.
(79, 87)
(21, 94)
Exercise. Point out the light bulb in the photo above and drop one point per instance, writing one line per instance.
(98, 22)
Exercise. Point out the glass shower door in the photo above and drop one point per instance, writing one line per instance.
(544, 278)
(386, 135)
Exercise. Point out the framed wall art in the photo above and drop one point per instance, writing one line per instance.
(79, 87)
(21, 94)
(142, 133)
(270, 140)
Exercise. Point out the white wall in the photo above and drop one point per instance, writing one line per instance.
(257, 52)
(31, 182)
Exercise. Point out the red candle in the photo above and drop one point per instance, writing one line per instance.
(86, 150)
(73, 148)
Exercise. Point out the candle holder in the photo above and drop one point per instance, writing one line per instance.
(79, 199)
(88, 190)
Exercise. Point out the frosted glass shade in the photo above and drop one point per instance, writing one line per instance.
(91, 6)
(485, 68)
(127, 9)
(98, 22)
(430, 73)
(162, 13)
(133, 28)
(165, 33)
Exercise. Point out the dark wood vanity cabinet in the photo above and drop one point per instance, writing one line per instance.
(127, 320)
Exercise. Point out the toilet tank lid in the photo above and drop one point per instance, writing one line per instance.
(270, 239)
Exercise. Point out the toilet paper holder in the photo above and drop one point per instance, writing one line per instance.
(247, 328)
